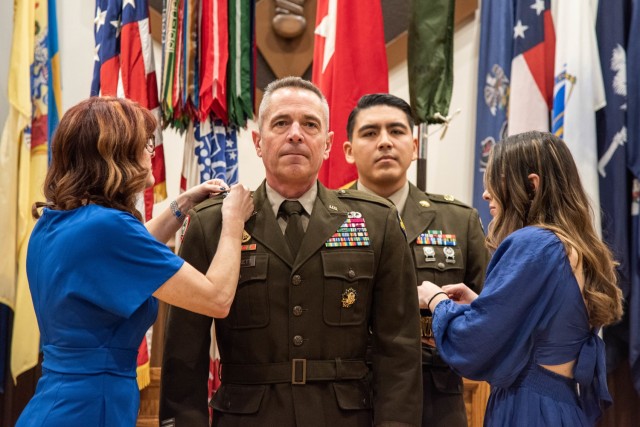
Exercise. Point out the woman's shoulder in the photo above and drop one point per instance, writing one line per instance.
(532, 235)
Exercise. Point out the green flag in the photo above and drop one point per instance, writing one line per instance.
(430, 58)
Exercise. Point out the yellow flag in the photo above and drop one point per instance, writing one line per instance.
(27, 166)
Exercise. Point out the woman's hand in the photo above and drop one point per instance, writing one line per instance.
(427, 292)
(200, 193)
(238, 204)
(460, 293)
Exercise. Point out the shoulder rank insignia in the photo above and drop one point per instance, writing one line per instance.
(352, 232)
(436, 238)
(349, 297)
(448, 197)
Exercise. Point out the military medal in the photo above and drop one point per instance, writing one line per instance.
(352, 232)
(349, 297)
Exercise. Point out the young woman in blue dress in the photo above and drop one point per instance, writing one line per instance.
(96, 271)
(550, 286)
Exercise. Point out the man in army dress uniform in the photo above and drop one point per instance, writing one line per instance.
(446, 237)
(293, 345)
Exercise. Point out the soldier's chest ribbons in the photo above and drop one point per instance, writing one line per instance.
(352, 232)
(436, 238)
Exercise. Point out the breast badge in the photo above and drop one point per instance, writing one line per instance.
(449, 254)
(352, 232)
(429, 254)
(349, 297)
(245, 236)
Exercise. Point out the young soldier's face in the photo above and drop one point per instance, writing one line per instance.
(382, 146)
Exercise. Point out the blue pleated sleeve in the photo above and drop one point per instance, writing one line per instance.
(492, 338)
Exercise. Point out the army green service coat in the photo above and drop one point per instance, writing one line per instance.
(316, 308)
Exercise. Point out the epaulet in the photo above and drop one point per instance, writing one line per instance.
(361, 195)
(447, 198)
(217, 200)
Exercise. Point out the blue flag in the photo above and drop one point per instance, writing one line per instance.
(614, 177)
(633, 162)
(494, 70)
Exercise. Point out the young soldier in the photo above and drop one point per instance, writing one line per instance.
(446, 237)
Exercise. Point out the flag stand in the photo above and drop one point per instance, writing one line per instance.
(421, 174)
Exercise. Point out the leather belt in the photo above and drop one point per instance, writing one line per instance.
(296, 371)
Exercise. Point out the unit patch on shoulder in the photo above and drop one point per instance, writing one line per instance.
(185, 225)
(352, 232)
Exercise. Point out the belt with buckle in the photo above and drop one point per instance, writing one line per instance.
(425, 326)
(295, 371)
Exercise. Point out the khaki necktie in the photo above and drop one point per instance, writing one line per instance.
(293, 234)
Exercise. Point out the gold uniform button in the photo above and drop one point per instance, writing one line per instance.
(296, 280)
(351, 273)
(297, 310)
(441, 265)
(297, 340)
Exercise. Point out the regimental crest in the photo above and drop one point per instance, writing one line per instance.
(349, 297)
(352, 232)
(496, 90)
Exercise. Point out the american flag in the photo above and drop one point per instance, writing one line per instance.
(124, 66)
(531, 95)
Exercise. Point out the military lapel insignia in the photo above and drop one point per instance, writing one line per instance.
(424, 203)
(352, 232)
(349, 297)
(436, 238)
(333, 207)
(245, 236)
(185, 225)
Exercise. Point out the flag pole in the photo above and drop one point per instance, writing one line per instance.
(421, 173)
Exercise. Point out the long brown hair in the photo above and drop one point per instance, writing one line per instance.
(559, 204)
(97, 154)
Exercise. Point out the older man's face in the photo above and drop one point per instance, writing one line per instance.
(293, 140)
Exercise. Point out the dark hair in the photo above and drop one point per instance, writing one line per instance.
(373, 100)
(293, 83)
(97, 154)
(559, 204)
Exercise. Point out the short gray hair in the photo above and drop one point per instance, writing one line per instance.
(294, 83)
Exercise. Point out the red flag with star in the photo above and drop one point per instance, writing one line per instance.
(349, 61)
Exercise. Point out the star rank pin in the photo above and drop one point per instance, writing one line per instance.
(352, 232)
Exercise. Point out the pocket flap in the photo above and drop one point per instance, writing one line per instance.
(238, 399)
(253, 267)
(352, 395)
(350, 265)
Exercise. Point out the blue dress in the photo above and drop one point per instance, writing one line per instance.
(530, 313)
(92, 272)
